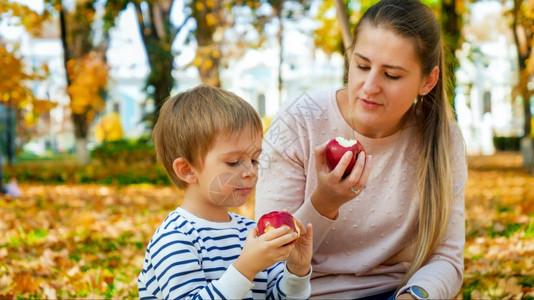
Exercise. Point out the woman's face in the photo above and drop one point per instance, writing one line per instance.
(383, 81)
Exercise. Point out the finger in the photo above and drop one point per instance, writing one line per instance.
(319, 155)
(301, 227)
(286, 239)
(366, 170)
(253, 233)
(356, 173)
(309, 230)
(276, 233)
(342, 165)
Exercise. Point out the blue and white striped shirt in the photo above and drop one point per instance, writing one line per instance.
(191, 258)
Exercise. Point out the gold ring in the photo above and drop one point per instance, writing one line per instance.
(355, 191)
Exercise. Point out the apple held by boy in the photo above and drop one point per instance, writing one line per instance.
(277, 219)
(337, 147)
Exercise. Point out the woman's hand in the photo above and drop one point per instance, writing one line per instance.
(332, 189)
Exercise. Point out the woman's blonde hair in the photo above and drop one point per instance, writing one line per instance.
(414, 20)
(189, 122)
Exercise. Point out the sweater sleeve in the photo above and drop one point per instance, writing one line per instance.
(282, 175)
(442, 276)
(282, 284)
(172, 270)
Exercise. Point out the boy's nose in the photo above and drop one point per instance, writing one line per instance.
(249, 170)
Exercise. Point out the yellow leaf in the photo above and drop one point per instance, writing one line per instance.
(211, 20)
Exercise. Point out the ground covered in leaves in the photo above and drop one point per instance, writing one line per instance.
(88, 241)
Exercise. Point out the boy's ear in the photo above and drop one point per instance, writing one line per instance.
(184, 170)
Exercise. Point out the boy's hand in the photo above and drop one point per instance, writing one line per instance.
(261, 252)
(299, 260)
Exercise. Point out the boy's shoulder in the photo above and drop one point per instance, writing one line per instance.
(182, 222)
(242, 220)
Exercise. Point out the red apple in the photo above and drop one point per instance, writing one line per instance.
(337, 147)
(276, 219)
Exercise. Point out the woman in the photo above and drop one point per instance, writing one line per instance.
(394, 227)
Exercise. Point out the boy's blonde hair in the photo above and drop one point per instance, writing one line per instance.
(189, 122)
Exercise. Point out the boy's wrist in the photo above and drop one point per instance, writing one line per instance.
(241, 267)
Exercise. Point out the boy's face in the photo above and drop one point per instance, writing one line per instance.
(230, 170)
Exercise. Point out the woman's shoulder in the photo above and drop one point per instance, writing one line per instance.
(308, 104)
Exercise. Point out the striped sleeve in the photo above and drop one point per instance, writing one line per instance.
(172, 270)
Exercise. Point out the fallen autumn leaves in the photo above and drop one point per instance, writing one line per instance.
(88, 241)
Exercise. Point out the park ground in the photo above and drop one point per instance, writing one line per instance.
(88, 241)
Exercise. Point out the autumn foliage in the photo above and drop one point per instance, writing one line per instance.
(88, 240)
(88, 77)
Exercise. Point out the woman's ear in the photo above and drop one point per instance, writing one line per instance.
(184, 170)
(430, 81)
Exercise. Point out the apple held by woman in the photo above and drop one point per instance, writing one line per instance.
(277, 219)
(337, 147)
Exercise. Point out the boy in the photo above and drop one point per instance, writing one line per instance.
(209, 141)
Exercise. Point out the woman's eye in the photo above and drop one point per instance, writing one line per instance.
(363, 67)
(394, 77)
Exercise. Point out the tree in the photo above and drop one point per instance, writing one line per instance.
(158, 34)
(212, 21)
(522, 27)
(451, 24)
(21, 108)
(334, 34)
(85, 66)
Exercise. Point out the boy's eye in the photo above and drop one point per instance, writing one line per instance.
(232, 163)
(255, 162)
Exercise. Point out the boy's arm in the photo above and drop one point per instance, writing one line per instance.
(173, 270)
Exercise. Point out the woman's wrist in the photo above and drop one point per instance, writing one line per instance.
(325, 210)
(297, 270)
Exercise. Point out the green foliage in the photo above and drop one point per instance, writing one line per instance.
(507, 143)
(125, 152)
(56, 173)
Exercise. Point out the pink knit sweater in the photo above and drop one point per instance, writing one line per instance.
(368, 248)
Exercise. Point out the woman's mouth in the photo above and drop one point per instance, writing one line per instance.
(368, 104)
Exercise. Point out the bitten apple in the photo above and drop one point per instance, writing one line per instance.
(276, 219)
(337, 147)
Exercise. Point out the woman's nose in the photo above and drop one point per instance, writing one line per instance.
(372, 83)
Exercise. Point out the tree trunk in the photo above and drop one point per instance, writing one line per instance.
(341, 13)
(451, 23)
(523, 47)
(82, 153)
(160, 78)
(342, 17)
(80, 126)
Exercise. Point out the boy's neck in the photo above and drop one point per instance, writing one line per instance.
(200, 209)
